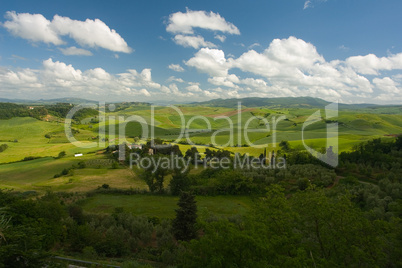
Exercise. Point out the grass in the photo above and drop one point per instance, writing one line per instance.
(30, 134)
(164, 206)
(39, 175)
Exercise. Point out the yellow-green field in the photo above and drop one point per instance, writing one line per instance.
(39, 174)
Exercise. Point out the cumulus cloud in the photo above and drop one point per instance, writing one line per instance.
(33, 27)
(192, 41)
(75, 51)
(56, 79)
(194, 87)
(183, 26)
(386, 84)
(293, 67)
(176, 67)
(210, 61)
(91, 33)
(228, 81)
(185, 23)
(371, 64)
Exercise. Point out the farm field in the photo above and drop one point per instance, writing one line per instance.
(29, 137)
(38, 175)
(354, 127)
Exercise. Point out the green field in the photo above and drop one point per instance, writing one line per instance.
(25, 137)
(164, 206)
(39, 174)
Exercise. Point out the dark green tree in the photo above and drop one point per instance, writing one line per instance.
(192, 154)
(285, 146)
(61, 154)
(179, 182)
(186, 218)
(154, 175)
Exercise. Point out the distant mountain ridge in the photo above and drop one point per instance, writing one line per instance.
(283, 102)
(258, 102)
(49, 101)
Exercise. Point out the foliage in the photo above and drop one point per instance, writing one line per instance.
(179, 182)
(154, 174)
(186, 217)
(3, 147)
(310, 229)
(62, 154)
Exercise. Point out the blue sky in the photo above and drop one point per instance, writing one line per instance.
(183, 51)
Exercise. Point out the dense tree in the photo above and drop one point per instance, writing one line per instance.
(285, 146)
(192, 154)
(154, 175)
(179, 182)
(186, 217)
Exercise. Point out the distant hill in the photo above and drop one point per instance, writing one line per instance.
(49, 101)
(260, 102)
(284, 102)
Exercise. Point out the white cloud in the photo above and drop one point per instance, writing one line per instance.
(387, 84)
(58, 79)
(33, 27)
(307, 4)
(210, 61)
(75, 51)
(192, 41)
(221, 38)
(91, 33)
(195, 87)
(175, 79)
(145, 92)
(371, 64)
(228, 81)
(180, 22)
(290, 67)
(254, 45)
(176, 67)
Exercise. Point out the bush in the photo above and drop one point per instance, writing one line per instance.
(115, 165)
(61, 154)
(3, 147)
(89, 253)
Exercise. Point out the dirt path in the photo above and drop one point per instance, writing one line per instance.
(336, 181)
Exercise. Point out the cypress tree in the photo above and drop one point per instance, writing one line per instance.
(186, 217)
